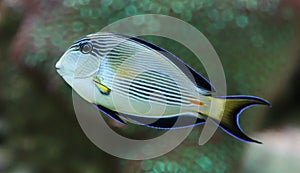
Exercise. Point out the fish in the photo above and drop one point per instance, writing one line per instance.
(135, 81)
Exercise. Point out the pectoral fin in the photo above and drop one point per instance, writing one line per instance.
(102, 88)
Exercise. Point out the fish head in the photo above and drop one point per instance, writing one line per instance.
(79, 61)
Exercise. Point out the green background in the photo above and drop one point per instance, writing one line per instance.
(256, 40)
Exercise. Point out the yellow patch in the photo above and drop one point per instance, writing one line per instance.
(102, 88)
(125, 72)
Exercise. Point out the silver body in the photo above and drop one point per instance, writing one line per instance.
(143, 82)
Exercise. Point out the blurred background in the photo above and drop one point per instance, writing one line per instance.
(258, 42)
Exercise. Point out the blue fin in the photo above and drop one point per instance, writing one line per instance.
(197, 78)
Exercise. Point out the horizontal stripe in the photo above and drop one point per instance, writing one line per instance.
(149, 80)
(146, 90)
(132, 93)
(152, 89)
(139, 71)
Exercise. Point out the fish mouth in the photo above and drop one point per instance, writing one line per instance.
(58, 65)
(59, 71)
(63, 73)
(59, 68)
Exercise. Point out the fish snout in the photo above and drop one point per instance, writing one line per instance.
(58, 65)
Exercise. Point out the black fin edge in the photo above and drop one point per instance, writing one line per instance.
(168, 123)
(158, 123)
(240, 135)
(112, 114)
(235, 130)
(261, 101)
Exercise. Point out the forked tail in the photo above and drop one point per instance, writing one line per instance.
(233, 107)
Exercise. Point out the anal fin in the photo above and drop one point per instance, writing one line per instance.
(113, 114)
(166, 123)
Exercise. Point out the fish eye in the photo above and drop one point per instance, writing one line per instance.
(86, 47)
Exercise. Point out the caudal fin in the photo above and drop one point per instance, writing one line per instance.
(233, 107)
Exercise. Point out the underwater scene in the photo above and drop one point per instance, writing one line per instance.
(207, 59)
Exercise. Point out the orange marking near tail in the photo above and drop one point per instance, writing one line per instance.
(197, 102)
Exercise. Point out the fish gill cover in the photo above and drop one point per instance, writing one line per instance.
(252, 38)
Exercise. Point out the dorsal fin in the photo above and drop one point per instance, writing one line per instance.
(195, 77)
